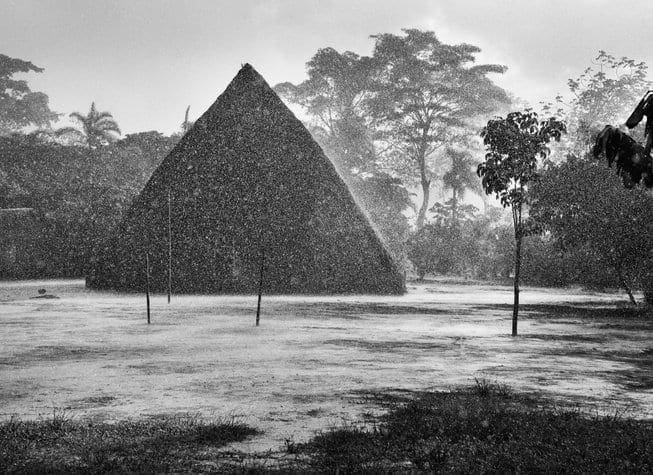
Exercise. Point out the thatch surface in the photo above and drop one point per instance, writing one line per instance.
(247, 179)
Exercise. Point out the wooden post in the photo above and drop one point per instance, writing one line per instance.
(260, 289)
(147, 285)
(169, 248)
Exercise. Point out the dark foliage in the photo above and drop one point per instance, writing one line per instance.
(440, 249)
(633, 165)
(486, 429)
(19, 105)
(63, 445)
(74, 197)
(596, 217)
(470, 245)
(513, 146)
(247, 180)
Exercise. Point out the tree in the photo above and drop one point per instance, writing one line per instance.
(459, 178)
(586, 209)
(600, 97)
(436, 248)
(334, 97)
(151, 145)
(98, 128)
(568, 204)
(79, 194)
(425, 93)
(19, 106)
(514, 144)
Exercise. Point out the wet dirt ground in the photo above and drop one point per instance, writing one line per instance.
(314, 362)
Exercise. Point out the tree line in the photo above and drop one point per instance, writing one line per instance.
(403, 126)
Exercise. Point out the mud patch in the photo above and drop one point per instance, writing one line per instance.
(53, 353)
(640, 376)
(166, 368)
(355, 310)
(8, 394)
(91, 402)
(572, 337)
(389, 345)
(625, 316)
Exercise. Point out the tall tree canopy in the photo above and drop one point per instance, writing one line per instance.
(603, 95)
(425, 93)
(334, 96)
(391, 111)
(19, 105)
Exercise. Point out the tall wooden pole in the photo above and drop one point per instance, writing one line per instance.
(260, 289)
(147, 285)
(169, 247)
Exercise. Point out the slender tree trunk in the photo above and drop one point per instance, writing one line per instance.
(426, 191)
(421, 217)
(169, 247)
(515, 307)
(260, 288)
(454, 208)
(147, 285)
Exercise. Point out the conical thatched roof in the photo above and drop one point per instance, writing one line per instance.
(247, 180)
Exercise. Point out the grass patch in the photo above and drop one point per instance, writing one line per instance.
(60, 444)
(591, 311)
(485, 429)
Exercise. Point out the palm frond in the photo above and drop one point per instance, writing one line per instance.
(107, 120)
(108, 127)
(67, 131)
(78, 116)
(103, 115)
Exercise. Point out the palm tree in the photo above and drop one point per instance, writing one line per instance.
(97, 128)
(459, 178)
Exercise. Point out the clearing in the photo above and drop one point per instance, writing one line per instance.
(315, 361)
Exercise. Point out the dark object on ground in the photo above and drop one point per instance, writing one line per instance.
(247, 178)
(44, 295)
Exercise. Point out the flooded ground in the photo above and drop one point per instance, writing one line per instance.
(314, 362)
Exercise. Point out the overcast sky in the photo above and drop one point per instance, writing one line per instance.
(145, 61)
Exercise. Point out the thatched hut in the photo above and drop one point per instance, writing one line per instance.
(247, 185)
